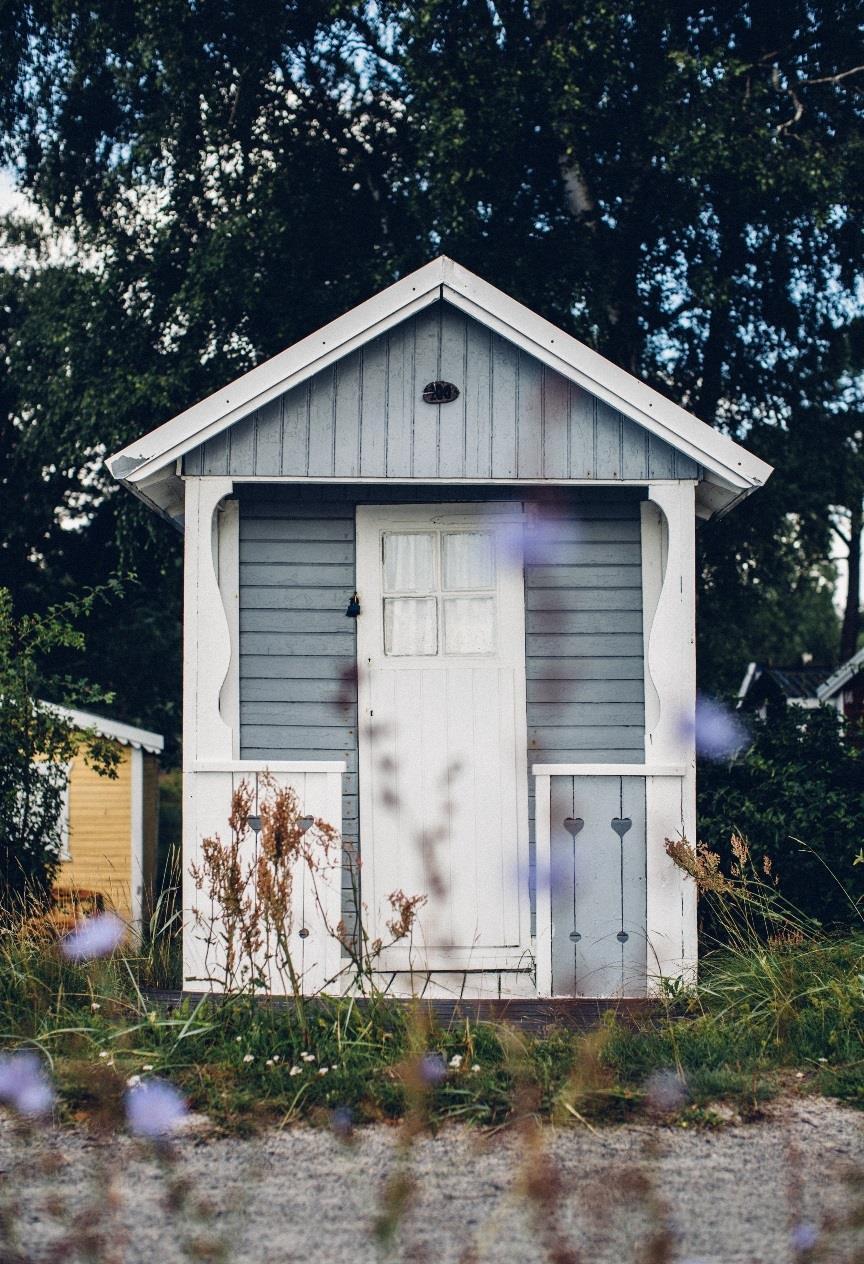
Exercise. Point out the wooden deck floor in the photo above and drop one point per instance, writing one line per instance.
(533, 1014)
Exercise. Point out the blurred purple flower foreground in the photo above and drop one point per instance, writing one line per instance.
(24, 1085)
(665, 1091)
(154, 1109)
(95, 937)
(433, 1068)
(719, 732)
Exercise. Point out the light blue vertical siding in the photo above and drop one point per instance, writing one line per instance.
(364, 417)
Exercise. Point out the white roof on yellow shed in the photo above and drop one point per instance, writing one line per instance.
(127, 734)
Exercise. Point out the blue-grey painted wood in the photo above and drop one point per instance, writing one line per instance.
(598, 886)
(365, 417)
(583, 633)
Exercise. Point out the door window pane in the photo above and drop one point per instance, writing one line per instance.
(410, 626)
(468, 560)
(409, 562)
(469, 625)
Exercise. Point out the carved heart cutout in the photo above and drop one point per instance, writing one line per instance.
(621, 824)
(573, 825)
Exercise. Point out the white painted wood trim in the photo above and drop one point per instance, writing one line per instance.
(228, 566)
(316, 902)
(442, 277)
(608, 770)
(273, 765)
(136, 866)
(206, 630)
(669, 554)
(543, 871)
(379, 480)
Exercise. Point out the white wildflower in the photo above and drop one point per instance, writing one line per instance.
(323, 1070)
(94, 1005)
(476, 1067)
(148, 1066)
(456, 1061)
(295, 1070)
(133, 1081)
(307, 1057)
(104, 1054)
(248, 1057)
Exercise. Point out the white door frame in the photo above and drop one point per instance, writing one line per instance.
(372, 520)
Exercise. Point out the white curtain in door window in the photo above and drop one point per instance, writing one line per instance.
(410, 625)
(409, 562)
(468, 560)
(469, 625)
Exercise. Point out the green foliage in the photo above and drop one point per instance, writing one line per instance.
(37, 742)
(759, 1014)
(795, 795)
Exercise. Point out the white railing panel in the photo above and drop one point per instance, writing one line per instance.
(315, 907)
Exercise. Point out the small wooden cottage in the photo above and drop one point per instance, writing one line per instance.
(440, 577)
(110, 824)
(806, 686)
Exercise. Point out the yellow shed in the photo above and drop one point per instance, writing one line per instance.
(110, 825)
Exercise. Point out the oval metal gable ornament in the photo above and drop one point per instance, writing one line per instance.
(440, 392)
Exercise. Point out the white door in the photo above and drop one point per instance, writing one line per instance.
(443, 740)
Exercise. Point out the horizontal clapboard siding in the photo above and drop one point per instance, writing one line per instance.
(364, 417)
(583, 636)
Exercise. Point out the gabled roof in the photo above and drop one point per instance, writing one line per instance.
(127, 734)
(796, 684)
(147, 466)
(842, 676)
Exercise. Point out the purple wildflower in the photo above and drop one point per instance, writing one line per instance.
(154, 1108)
(433, 1068)
(342, 1122)
(718, 732)
(665, 1091)
(24, 1085)
(805, 1236)
(94, 937)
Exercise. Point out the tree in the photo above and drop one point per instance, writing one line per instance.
(794, 795)
(37, 742)
(680, 185)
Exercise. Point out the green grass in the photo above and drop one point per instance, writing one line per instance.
(764, 1020)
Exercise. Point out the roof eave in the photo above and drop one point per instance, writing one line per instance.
(732, 471)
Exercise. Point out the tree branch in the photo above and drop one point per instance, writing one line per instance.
(844, 74)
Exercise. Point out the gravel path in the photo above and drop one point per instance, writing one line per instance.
(742, 1193)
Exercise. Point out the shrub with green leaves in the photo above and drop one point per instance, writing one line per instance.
(38, 741)
(797, 795)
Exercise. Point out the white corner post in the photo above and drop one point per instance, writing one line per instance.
(207, 662)
(543, 880)
(669, 608)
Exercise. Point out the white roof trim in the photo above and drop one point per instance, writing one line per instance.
(726, 460)
(752, 673)
(841, 676)
(154, 743)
